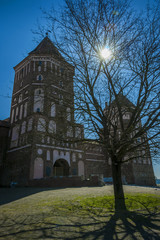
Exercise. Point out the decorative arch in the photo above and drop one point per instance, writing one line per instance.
(38, 168)
(80, 168)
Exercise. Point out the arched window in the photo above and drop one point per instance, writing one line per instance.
(16, 115)
(70, 132)
(25, 109)
(15, 133)
(53, 109)
(38, 168)
(80, 168)
(38, 100)
(61, 83)
(60, 99)
(30, 123)
(21, 112)
(12, 116)
(15, 136)
(39, 77)
(52, 127)
(78, 132)
(20, 98)
(68, 114)
(23, 127)
(41, 127)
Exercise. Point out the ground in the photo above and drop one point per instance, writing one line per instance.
(78, 213)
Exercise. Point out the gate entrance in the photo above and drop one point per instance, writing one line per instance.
(61, 168)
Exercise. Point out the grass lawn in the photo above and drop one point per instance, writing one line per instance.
(79, 213)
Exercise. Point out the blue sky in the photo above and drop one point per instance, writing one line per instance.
(17, 19)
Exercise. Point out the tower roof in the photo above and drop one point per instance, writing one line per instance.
(123, 101)
(46, 46)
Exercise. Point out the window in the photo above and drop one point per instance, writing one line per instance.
(23, 128)
(139, 140)
(53, 109)
(39, 68)
(39, 77)
(12, 116)
(68, 114)
(38, 100)
(16, 116)
(20, 98)
(70, 132)
(40, 63)
(25, 109)
(78, 132)
(41, 127)
(45, 66)
(61, 84)
(61, 99)
(52, 127)
(30, 122)
(34, 65)
(144, 161)
(15, 135)
(126, 116)
(21, 112)
(62, 70)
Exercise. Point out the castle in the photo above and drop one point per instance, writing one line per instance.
(41, 139)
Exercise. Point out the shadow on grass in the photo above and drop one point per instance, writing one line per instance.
(120, 225)
(8, 195)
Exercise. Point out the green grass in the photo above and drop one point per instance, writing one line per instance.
(133, 202)
(42, 216)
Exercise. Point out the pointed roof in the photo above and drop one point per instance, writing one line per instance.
(46, 46)
(123, 101)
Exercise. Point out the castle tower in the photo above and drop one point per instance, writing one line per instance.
(44, 139)
(43, 131)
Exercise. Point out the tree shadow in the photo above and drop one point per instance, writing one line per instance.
(124, 225)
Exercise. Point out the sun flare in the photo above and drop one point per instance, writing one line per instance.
(105, 53)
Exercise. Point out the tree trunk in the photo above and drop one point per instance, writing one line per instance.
(118, 187)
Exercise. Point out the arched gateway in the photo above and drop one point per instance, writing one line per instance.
(61, 168)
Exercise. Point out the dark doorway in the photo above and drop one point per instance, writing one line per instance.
(61, 168)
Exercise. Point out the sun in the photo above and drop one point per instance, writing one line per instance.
(105, 53)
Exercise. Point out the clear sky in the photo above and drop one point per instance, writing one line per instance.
(17, 19)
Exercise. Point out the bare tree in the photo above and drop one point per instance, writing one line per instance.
(116, 56)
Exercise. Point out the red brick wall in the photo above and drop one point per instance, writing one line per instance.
(64, 182)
